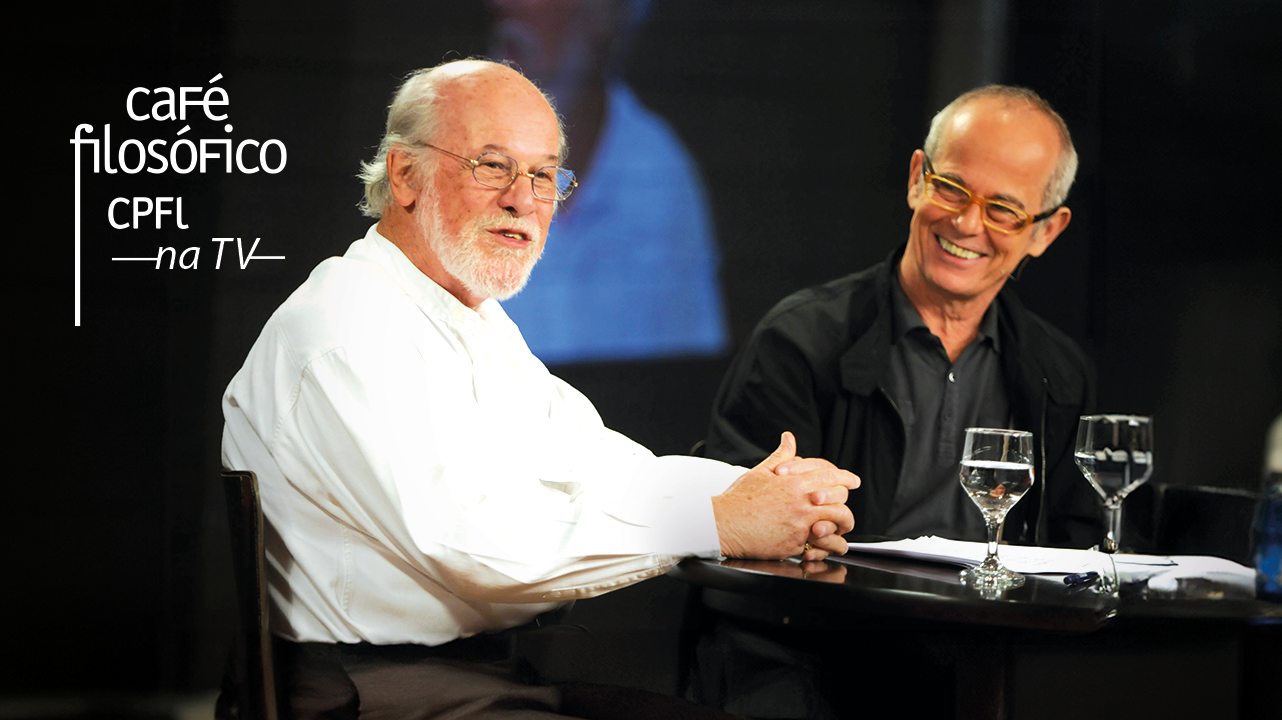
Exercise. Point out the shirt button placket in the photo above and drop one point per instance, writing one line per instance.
(950, 402)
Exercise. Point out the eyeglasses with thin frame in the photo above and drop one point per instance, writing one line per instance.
(997, 214)
(498, 171)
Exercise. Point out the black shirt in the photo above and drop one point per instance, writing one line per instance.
(938, 399)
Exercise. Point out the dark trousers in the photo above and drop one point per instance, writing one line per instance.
(472, 679)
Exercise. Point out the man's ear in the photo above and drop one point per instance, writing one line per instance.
(1049, 229)
(914, 178)
(402, 177)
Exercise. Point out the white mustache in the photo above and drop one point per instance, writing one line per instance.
(521, 225)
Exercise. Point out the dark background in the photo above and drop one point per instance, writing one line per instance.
(1168, 275)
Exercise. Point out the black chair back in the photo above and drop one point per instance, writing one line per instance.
(1193, 520)
(252, 691)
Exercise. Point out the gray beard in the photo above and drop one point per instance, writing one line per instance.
(485, 269)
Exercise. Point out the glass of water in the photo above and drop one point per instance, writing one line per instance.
(996, 471)
(1115, 453)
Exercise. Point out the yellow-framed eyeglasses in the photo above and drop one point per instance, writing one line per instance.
(997, 214)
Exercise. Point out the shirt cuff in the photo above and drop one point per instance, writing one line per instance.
(690, 521)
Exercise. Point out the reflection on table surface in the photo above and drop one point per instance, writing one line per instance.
(859, 585)
(1193, 592)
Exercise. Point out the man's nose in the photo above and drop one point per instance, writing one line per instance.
(971, 219)
(518, 198)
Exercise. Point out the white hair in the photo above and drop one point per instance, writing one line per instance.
(413, 120)
(1061, 179)
(487, 271)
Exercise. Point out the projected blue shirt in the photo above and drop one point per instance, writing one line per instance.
(630, 269)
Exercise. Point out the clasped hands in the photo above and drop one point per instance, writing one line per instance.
(775, 509)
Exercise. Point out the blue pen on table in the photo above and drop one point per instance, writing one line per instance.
(1085, 578)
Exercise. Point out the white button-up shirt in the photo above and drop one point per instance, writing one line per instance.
(425, 478)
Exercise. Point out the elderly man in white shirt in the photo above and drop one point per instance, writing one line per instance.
(426, 481)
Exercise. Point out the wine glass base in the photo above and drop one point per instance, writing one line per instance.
(991, 574)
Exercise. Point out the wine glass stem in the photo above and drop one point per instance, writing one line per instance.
(1113, 540)
(994, 535)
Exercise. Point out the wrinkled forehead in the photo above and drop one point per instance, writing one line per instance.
(1012, 145)
(498, 108)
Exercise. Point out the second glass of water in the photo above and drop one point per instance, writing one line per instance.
(996, 471)
(1115, 453)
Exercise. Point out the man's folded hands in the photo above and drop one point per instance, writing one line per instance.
(786, 506)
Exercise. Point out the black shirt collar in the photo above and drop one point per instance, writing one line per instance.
(905, 318)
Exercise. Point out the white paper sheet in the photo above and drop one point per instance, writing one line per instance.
(1174, 575)
(1020, 558)
(1225, 575)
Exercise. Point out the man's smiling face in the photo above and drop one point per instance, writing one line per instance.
(998, 150)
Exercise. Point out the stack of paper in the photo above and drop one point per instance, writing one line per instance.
(1174, 575)
(1020, 558)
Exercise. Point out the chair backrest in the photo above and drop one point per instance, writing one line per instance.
(1193, 520)
(252, 651)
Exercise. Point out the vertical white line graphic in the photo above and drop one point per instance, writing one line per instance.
(76, 142)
